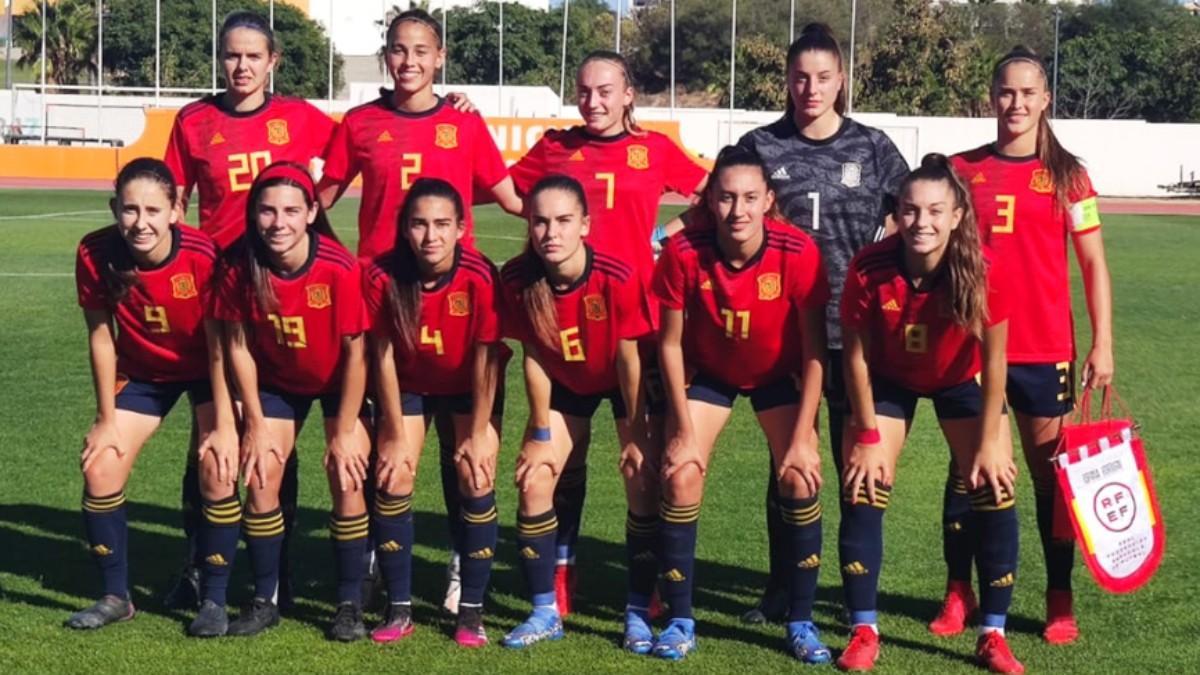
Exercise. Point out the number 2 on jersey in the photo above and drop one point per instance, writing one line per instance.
(410, 168)
(244, 168)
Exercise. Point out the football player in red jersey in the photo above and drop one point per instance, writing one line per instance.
(625, 170)
(291, 300)
(1033, 196)
(743, 298)
(436, 346)
(579, 313)
(149, 278)
(924, 314)
(410, 132)
(219, 144)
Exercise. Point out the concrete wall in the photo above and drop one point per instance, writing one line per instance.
(1125, 158)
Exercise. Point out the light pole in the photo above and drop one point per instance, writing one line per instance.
(1054, 85)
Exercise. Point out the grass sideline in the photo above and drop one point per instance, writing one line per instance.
(45, 573)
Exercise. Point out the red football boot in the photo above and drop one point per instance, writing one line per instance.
(993, 653)
(958, 605)
(565, 582)
(862, 652)
(1061, 628)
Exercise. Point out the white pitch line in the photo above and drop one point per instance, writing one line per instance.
(44, 216)
(36, 274)
(502, 237)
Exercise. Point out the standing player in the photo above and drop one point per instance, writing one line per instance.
(742, 313)
(436, 346)
(291, 300)
(579, 313)
(624, 170)
(837, 180)
(922, 317)
(149, 278)
(1032, 196)
(219, 144)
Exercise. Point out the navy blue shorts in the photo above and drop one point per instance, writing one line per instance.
(568, 402)
(952, 403)
(710, 390)
(157, 398)
(652, 379)
(413, 403)
(295, 407)
(1042, 389)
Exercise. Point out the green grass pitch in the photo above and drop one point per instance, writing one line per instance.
(45, 573)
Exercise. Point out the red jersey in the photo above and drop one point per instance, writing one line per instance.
(221, 152)
(298, 347)
(742, 326)
(458, 312)
(603, 307)
(392, 149)
(913, 340)
(624, 177)
(1020, 222)
(160, 322)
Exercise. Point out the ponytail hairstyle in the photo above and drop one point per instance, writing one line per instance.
(729, 157)
(627, 119)
(816, 37)
(404, 283)
(1066, 172)
(537, 297)
(964, 263)
(251, 20)
(255, 256)
(119, 272)
(416, 16)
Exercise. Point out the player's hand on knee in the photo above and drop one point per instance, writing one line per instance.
(534, 456)
(348, 458)
(103, 436)
(479, 452)
(258, 448)
(681, 451)
(994, 467)
(804, 459)
(866, 464)
(222, 445)
(393, 462)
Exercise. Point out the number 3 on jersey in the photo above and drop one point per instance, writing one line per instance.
(1006, 206)
(244, 168)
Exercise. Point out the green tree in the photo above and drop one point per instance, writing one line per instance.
(186, 45)
(761, 84)
(70, 40)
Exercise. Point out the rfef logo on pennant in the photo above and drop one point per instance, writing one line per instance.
(318, 296)
(277, 132)
(447, 136)
(183, 286)
(638, 157)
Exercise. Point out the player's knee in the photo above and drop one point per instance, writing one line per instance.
(212, 489)
(793, 486)
(104, 476)
(685, 486)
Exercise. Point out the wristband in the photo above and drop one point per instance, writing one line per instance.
(541, 434)
(866, 437)
(660, 233)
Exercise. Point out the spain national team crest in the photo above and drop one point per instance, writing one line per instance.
(446, 136)
(183, 286)
(318, 296)
(851, 174)
(593, 307)
(638, 157)
(277, 132)
(460, 303)
(1041, 182)
(769, 287)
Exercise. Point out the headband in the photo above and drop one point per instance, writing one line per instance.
(292, 172)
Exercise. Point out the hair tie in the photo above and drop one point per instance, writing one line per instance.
(290, 171)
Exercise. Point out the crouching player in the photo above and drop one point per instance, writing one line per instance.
(743, 298)
(143, 286)
(436, 349)
(291, 303)
(579, 314)
(922, 317)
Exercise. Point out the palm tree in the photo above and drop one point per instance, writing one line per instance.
(70, 40)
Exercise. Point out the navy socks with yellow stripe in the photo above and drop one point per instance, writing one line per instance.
(641, 539)
(957, 529)
(801, 530)
(264, 541)
(108, 534)
(677, 557)
(393, 520)
(1060, 554)
(479, 526)
(218, 537)
(777, 547)
(860, 552)
(996, 549)
(450, 493)
(349, 535)
(535, 547)
(569, 495)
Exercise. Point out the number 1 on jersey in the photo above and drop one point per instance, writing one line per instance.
(732, 319)
(610, 187)
(816, 215)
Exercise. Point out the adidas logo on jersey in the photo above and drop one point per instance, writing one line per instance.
(1003, 582)
(674, 575)
(706, 285)
(891, 306)
(384, 137)
(217, 139)
(389, 546)
(781, 174)
(855, 569)
(812, 562)
(217, 559)
(978, 179)
(577, 157)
